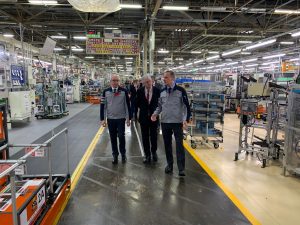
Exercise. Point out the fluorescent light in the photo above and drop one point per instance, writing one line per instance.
(232, 63)
(244, 42)
(214, 9)
(179, 59)
(89, 57)
(111, 28)
(231, 52)
(209, 67)
(249, 60)
(221, 65)
(129, 58)
(260, 44)
(181, 30)
(179, 8)
(168, 59)
(8, 35)
(273, 56)
(131, 6)
(58, 37)
(42, 2)
(199, 61)
(268, 63)
(196, 52)
(79, 37)
(213, 52)
(161, 62)
(226, 68)
(286, 11)
(189, 64)
(296, 34)
(213, 57)
(245, 53)
(287, 42)
(77, 49)
(163, 51)
(252, 65)
(58, 49)
(179, 67)
(293, 60)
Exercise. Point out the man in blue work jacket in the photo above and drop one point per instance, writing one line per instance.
(175, 112)
(115, 107)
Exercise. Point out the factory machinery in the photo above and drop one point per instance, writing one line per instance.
(263, 106)
(30, 199)
(51, 100)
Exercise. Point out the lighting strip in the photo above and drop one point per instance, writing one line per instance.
(261, 44)
(273, 56)
(231, 52)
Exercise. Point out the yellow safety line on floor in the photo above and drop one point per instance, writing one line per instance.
(225, 189)
(79, 169)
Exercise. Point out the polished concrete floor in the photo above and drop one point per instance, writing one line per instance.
(272, 198)
(135, 194)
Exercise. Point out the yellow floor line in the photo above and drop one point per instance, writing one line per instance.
(225, 189)
(79, 169)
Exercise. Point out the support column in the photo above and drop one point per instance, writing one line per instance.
(151, 47)
(145, 53)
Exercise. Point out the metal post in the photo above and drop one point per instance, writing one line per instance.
(67, 149)
(13, 197)
(50, 169)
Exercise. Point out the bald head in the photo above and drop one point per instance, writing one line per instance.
(115, 81)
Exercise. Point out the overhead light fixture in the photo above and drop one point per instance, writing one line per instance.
(163, 51)
(252, 65)
(129, 58)
(42, 2)
(179, 59)
(287, 42)
(168, 59)
(8, 35)
(89, 57)
(296, 34)
(209, 67)
(57, 49)
(58, 37)
(231, 52)
(245, 42)
(178, 8)
(179, 30)
(260, 44)
(111, 28)
(273, 56)
(213, 52)
(196, 52)
(79, 37)
(77, 49)
(268, 63)
(189, 64)
(213, 57)
(293, 60)
(232, 63)
(249, 60)
(214, 9)
(227, 68)
(199, 61)
(131, 6)
(245, 53)
(286, 11)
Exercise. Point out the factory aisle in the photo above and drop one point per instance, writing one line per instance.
(134, 194)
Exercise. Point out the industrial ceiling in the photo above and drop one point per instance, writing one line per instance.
(206, 26)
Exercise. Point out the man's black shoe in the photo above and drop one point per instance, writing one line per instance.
(168, 170)
(115, 160)
(147, 160)
(124, 159)
(154, 157)
(181, 173)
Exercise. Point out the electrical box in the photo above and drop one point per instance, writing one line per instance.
(258, 89)
(20, 105)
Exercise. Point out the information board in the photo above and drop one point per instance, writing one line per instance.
(17, 75)
(112, 46)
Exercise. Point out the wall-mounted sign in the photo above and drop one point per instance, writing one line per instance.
(17, 75)
(112, 46)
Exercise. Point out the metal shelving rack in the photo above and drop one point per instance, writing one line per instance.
(207, 106)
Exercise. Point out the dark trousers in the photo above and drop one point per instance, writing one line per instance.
(149, 135)
(132, 108)
(168, 129)
(116, 129)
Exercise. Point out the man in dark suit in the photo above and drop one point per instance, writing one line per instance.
(147, 101)
(132, 91)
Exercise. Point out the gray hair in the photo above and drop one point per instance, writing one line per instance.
(114, 75)
(146, 77)
(172, 74)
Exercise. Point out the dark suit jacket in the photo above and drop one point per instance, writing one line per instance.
(146, 110)
(132, 92)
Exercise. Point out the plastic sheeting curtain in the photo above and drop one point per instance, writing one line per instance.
(101, 6)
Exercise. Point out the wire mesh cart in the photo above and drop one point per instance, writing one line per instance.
(208, 118)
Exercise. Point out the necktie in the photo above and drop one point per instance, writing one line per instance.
(148, 96)
(169, 90)
(115, 90)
